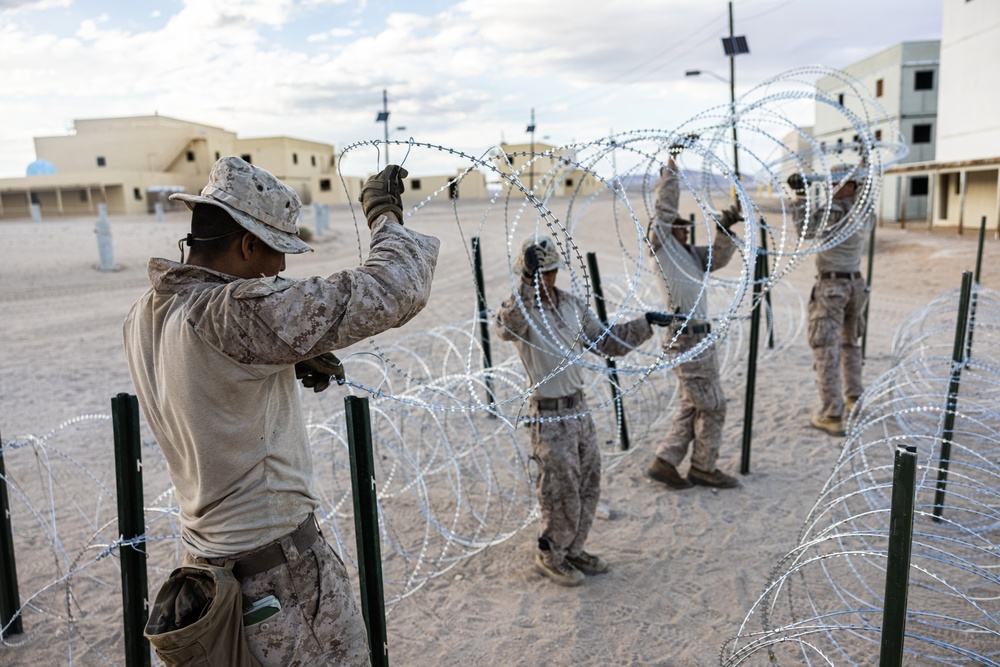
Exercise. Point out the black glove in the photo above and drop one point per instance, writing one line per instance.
(730, 217)
(797, 184)
(661, 319)
(315, 373)
(677, 148)
(382, 193)
(530, 263)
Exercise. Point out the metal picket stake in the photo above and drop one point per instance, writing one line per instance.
(975, 293)
(10, 599)
(897, 567)
(958, 361)
(602, 313)
(131, 527)
(359, 438)
(758, 278)
(868, 284)
(484, 321)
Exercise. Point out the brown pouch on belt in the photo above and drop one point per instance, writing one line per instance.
(197, 619)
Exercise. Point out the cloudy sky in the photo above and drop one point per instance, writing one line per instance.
(463, 74)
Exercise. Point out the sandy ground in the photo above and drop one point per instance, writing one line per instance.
(686, 566)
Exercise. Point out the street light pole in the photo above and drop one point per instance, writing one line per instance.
(732, 95)
(531, 168)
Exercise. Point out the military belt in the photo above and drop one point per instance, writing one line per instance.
(563, 402)
(273, 554)
(843, 275)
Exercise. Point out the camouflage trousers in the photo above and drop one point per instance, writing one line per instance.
(836, 323)
(320, 621)
(701, 413)
(569, 479)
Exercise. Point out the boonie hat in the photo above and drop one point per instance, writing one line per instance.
(546, 252)
(259, 202)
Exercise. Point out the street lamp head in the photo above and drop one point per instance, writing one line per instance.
(692, 72)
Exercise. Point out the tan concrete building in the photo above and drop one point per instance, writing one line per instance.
(129, 163)
(549, 174)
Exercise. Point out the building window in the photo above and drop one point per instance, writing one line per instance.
(217, 156)
(919, 186)
(101, 162)
(569, 182)
(246, 158)
(295, 158)
(190, 156)
(415, 183)
(83, 195)
(924, 80)
(878, 88)
(840, 99)
(324, 185)
(313, 158)
(137, 194)
(878, 135)
(921, 134)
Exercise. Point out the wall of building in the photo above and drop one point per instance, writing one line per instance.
(969, 125)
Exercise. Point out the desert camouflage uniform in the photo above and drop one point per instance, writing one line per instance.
(701, 414)
(212, 360)
(566, 450)
(836, 308)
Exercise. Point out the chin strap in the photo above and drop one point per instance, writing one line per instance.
(190, 239)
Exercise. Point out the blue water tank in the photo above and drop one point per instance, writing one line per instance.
(40, 168)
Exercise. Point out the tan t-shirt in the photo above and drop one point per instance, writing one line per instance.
(212, 360)
(548, 338)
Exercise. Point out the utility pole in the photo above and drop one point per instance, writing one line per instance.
(531, 167)
(732, 92)
(383, 117)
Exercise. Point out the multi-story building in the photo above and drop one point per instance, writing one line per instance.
(964, 174)
(904, 81)
(130, 164)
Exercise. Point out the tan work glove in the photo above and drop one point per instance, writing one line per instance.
(382, 193)
(315, 373)
(730, 217)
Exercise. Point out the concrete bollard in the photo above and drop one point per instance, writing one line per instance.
(104, 247)
(158, 206)
(36, 212)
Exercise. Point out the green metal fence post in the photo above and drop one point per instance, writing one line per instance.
(359, 438)
(759, 272)
(958, 361)
(691, 218)
(10, 599)
(131, 528)
(602, 313)
(897, 567)
(484, 320)
(868, 283)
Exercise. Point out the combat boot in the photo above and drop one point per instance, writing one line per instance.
(849, 403)
(716, 478)
(666, 473)
(832, 425)
(588, 563)
(563, 574)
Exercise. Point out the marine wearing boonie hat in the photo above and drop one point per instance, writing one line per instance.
(256, 200)
(546, 253)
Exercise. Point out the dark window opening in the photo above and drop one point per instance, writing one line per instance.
(878, 88)
(921, 134)
(919, 186)
(840, 99)
(83, 195)
(190, 156)
(137, 194)
(295, 158)
(101, 162)
(313, 158)
(324, 185)
(569, 182)
(217, 155)
(924, 80)
(415, 183)
(878, 135)
(246, 158)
